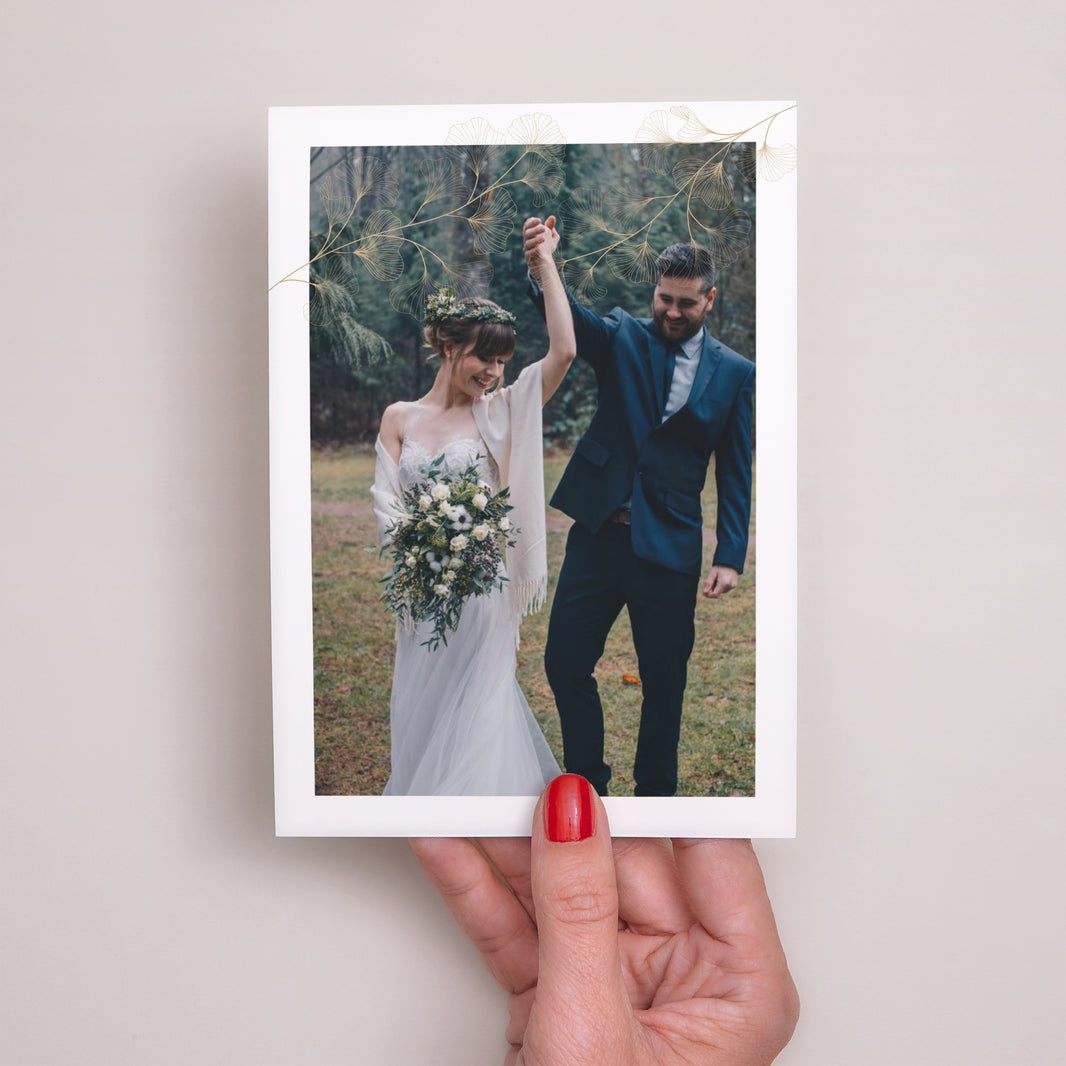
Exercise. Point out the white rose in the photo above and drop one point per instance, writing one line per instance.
(441, 491)
(480, 532)
(480, 501)
(425, 502)
(454, 564)
(459, 542)
(505, 523)
(444, 507)
(409, 560)
(441, 590)
(450, 576)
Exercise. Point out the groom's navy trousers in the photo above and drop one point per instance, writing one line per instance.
(652, 468)
(600, 576)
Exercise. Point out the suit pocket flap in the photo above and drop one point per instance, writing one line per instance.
(681, 504)
(593, 451)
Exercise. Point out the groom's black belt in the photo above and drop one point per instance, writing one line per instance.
(623, 517)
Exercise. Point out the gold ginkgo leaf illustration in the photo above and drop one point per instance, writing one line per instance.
(634, 262)
(628, 209)
(333, 289)
(543, 176)
(654, 129)
(580, 279)
(372, 177)
(441, 181)
(535, 130)
(705, 179)
(473, 132)
(725, 233)
(333, 193)
(344, 188)
(655, 141)
(773, 163)
(492, 222)
(657, 158)
(410, 297)
(552, 153)
(743, 156)
(585, 212)
(379, 247)
(693, 129)
(472, 164)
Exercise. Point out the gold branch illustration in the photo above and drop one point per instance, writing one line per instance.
(624, 219)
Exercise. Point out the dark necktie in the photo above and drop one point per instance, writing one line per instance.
(671, 361)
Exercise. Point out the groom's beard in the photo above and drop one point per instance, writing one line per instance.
(683, 331)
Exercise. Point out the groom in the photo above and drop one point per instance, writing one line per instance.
(670, 397)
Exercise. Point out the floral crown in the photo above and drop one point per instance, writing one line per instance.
(444, 304)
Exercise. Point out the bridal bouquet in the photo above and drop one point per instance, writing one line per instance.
(447, 545)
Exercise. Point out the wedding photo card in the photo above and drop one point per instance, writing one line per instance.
(482, 553)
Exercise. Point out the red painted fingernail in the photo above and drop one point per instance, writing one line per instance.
(568, 810)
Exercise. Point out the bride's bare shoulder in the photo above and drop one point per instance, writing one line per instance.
(391, 430)
(394, 417)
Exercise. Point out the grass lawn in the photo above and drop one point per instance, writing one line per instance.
(353, 637)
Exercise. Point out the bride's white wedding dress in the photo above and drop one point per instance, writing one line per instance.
(460, 724)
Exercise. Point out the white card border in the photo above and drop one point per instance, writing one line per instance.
(298, 811)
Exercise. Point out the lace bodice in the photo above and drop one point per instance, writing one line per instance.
(458, 455)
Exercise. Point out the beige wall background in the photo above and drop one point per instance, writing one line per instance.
(149, 916)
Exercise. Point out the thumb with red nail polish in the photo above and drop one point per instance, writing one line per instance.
(580, 991)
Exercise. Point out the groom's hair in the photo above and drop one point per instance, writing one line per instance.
(688, 260)
(490, 339)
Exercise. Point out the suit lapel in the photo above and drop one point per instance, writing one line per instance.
(710, 357)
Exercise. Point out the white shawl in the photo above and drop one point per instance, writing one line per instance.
(510, 423)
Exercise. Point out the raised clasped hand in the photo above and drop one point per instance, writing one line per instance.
(627, 953)
(539, 241)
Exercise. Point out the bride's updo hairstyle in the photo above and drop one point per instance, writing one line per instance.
(472, 320)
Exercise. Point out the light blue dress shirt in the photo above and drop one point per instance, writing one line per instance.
(688, 359)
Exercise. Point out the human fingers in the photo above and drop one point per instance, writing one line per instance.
(484, 907)
(581, 996)
(510, 856)
(650, 898)
(553, 233)
(726, 891)
(710, 586)
(532, 235)
(541, 244)
(719, 581)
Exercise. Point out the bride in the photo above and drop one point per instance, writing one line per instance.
(460, 724)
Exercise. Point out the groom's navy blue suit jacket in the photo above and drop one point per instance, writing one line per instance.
(629, 453)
